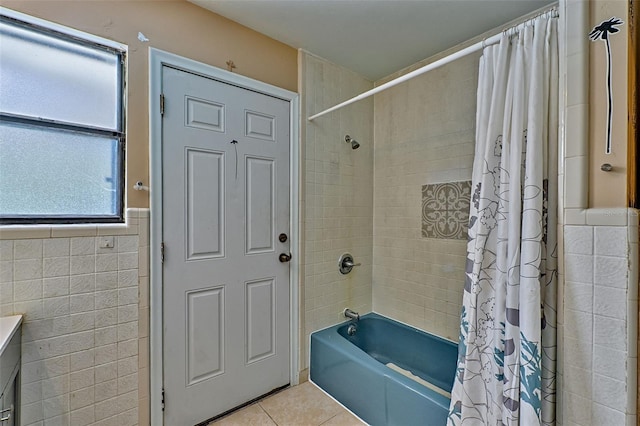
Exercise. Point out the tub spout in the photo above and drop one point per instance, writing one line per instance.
(348, 313)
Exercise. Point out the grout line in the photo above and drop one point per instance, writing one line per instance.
(266, 412)
(245, 406)
(329, 419)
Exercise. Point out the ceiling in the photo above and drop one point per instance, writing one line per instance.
(372, 37)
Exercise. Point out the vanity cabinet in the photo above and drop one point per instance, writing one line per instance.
(10, 355)
(9, 412)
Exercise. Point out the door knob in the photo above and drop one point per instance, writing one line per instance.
(284, 257)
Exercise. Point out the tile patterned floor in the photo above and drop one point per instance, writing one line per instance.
(303, 405)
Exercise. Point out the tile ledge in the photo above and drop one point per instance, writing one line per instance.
(615, 216)
(137, 212)
(129, 227)
(17, 232)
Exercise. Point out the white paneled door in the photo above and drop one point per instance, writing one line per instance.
(225, 167)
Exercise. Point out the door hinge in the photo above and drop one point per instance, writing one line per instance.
(162, 402)
(162, 252)
(161, 104)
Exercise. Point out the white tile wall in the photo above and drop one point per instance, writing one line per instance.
(85, 325)
(337, 198)
(424, 133)
(599, 360)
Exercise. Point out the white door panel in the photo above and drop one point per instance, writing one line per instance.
(204, 203)
(260, 205)
(225, 201)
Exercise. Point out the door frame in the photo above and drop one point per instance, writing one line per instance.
(158, 59)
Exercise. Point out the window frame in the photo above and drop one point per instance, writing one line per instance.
(88, 40)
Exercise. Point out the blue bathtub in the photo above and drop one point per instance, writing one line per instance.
(353, 370)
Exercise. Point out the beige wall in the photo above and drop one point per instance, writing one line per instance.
(177, 27)
(337, 201)
(424, 133)
(608, 189)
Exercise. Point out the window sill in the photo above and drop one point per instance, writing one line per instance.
(133, 217)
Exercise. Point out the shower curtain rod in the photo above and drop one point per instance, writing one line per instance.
(436, 64)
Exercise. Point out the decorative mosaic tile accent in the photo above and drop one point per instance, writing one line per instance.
(445, 210)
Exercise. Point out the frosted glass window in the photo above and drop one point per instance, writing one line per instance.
(55, 79)
(61, 126)
(46, 172)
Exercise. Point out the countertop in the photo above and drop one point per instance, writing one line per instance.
(8, 327)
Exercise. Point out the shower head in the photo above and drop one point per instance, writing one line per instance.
(354, 143)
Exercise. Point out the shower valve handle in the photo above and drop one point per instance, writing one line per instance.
(346, 263)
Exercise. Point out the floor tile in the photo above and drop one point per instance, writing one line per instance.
(300, 405)
(253, 415)
(343, 419)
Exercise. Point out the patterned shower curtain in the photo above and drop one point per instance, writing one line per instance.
(507, 348)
